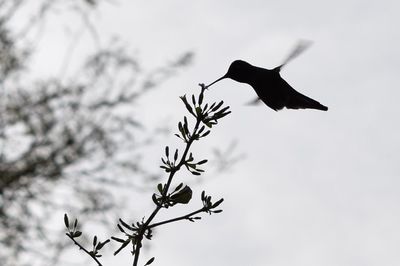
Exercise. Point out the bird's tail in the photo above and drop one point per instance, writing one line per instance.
(300, 101)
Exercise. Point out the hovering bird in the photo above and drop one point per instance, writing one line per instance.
(270, 87)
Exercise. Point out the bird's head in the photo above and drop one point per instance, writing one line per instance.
(238, 71)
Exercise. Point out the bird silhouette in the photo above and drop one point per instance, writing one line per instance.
(270, 87)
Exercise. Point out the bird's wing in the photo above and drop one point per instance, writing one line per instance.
(299, 48)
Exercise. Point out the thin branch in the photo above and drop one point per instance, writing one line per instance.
(85, 250)
(145, 226)
(184, 217)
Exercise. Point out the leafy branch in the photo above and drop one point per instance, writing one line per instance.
(74, 233)
(206, 116)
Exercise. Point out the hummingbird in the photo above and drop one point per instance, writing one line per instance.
(270, 87)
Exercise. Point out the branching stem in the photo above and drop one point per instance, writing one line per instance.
(138, 243)
(184, 217)
(84, 249)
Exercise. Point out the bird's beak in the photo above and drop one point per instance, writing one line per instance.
(223, 77)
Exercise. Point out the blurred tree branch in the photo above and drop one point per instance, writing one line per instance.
(61, 137)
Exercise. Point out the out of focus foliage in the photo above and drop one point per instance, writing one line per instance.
(62, 136)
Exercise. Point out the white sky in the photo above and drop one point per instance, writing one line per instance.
(316, 188)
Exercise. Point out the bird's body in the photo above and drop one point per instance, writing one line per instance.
(270, 87)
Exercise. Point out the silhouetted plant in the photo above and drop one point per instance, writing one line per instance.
(206, 116)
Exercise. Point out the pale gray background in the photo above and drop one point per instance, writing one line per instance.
(316, 188)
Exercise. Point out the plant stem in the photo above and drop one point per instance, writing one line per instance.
(146, 226)
(85, 250)
(184, 217)
(183, 159)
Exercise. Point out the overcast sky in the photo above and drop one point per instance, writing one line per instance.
(316, 188)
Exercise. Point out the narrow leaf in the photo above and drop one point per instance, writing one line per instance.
(206, 133)
(66, 222)
(122, 229)
(126, 225)
(122, 246)
(176, 155)
(150, 261)
(216, 204)
(188, 107)
(201, 96)
(167, 151)
(118, 239)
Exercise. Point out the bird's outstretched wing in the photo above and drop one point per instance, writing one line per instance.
(301, 46)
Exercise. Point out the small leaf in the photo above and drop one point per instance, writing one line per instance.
(167, 151)
(212, 106)
(94, 241)
(223, 115)
(218, 106)
(198, 110)
(188, 107)
(66, 222)
(183, 196)
(217, 211)
(122, 229)
(216, 204)
(126, 225)
(193, 100)
(122, 246)
(201, 96)
(201, 129)
(77, 234)
(185, 126)
(191, 165)
(206, 133)
(155, 200)
(202, 162)
(101, 244)
(179, 137)
(118, 239)
(180, 128)
(176, 155)
(150, 261)
(160, 187)
(179, 187)
(75, 223)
